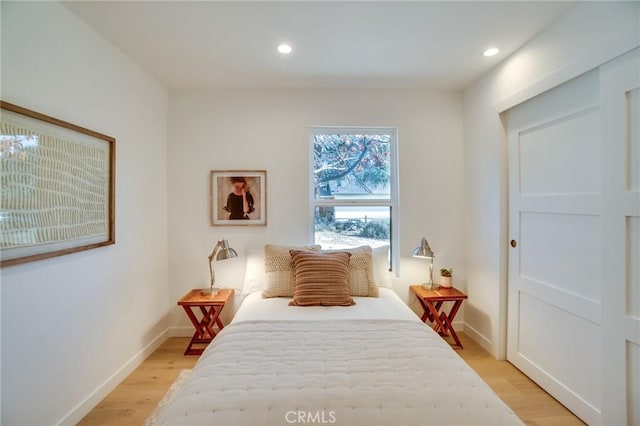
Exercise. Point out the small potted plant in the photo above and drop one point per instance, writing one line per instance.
(446, 277)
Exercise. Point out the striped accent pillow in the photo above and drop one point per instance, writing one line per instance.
(321, 279)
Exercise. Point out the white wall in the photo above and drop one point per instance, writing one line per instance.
(73, 326)
(269, 129)
(587, 35)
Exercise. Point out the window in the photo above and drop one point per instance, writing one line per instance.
(354, 182)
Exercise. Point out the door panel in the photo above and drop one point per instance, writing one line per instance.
(571, 245)
(633, 385)
(548, 150)
(633, 258)
(555, 286)
(557, 359)
(633, 165)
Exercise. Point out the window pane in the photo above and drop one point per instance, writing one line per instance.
(350, 166)
(343, 227)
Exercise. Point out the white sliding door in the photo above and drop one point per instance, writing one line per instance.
(555, 227)
(620, 100)
(574, 220)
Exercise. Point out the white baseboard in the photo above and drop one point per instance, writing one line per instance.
(479, 338)
(180, 331)
(86, 405)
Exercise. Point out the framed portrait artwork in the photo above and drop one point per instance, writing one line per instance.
(57, 187)
(238, 197)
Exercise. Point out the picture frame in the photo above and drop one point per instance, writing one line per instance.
(57, 191)
(228, 206)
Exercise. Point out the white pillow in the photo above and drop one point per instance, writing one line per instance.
(381, 266)
(255, 278)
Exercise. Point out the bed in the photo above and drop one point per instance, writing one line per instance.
(371, 363)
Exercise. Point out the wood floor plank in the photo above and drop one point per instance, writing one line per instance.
(528, 400)
(131, 402)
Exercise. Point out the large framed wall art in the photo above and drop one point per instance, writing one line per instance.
(57, 183)
(238, 197)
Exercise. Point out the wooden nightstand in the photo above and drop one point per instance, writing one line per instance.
(210, 307)
(432, 301)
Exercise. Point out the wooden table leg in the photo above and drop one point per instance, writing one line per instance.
(447, 321)
(438, 326)
(204, 327)
(442, 322)
(428, 312)
(219, 323)
(199, 336)
(209, 318)
(425, 309)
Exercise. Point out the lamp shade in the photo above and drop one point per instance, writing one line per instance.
(225, 252)
(221, 251)
(423, 250)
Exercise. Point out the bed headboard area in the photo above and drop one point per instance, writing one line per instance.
(270, 269)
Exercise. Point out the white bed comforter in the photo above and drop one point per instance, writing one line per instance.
(342, 372)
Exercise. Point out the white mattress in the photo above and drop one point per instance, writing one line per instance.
(373, 363)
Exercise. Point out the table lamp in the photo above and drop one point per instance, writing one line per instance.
(221, 251)
(425, 252)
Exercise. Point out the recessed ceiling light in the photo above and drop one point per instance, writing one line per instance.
(491, 51)
(284, 49)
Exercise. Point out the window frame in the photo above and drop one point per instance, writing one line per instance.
(394, 185)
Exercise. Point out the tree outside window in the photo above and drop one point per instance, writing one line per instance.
(354, 181)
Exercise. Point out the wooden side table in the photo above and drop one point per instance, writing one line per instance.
(210, 307)
(432, 301)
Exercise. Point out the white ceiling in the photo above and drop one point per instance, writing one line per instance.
(419, 44)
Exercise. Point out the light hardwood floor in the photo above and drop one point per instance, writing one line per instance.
(136, 397)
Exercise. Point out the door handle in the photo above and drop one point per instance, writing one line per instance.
(514, 243)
